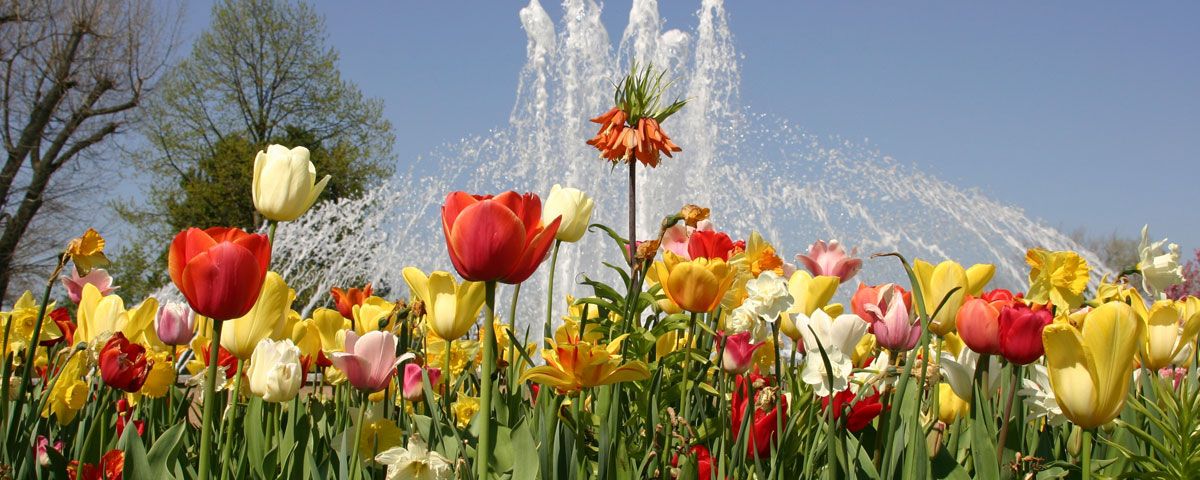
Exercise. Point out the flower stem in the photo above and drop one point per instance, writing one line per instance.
(228, 424)
(271, 225)
(1012, 393)
(1087, 454)
(512, 346)
(632, 253)
(355, 463)
(210, 400)
(546, 333)
(687, 366)
(30, 353)
(487, 387)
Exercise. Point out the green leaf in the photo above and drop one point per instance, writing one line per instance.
(136, 465)
(164, 448)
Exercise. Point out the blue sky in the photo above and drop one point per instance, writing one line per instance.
(1082, 113)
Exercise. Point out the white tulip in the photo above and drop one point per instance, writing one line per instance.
(284, 185)
(575, 208)
(275, 372)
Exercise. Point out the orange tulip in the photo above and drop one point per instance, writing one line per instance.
(497, 238)
(348, 298)
(220, 270)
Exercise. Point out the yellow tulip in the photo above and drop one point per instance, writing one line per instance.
(20, 322)
(1168, 332)
(307, 337)
(1056, 277)
(937, 281)
(450, 308)
(241, 335)
(951, 407)
(367, 317)
(696, 285)
(331, 327)
(1090, 368)
(570, 367)
(70, 390)
(808, 294)
(285, 183)
(102, 315)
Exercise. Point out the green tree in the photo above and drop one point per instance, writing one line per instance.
(261, 74)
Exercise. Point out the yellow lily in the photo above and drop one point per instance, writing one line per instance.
(936, 282)
(808, 294)
(450, 307)
(368, 315)
(20, 322)
(70, 390)
(571, 367)
(1056, 277)
(696, 285)
(1168, 332)
(1090, 367)
(241, 335)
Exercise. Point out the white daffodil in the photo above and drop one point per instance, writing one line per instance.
(1040, 398)
(959, 371)
(838, 337)
(768, 296)
(1160, 269)
(416, 462)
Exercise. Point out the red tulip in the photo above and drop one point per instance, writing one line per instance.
(224, 359)
(123, 364)
(861, 412)
(112, 467)
(497, 238)
(709, 244)
(1021, 333)
(220, 270)
(62, 318)
(763, 423)
(123, 415)
(978, 321)
(703, 462)
(345, 300)
(738, 354)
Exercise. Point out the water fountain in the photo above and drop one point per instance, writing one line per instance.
(755, 172)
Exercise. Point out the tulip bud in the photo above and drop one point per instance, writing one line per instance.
(738, 353)
(978, 323)
(575, 208)
(414, 385)
(283, 186)
(175, 324)
(275, 373)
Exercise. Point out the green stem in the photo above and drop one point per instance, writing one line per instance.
(1004, 421)
(512, 346)
(271, 225)
(581, 459)
(487, 386)
(1087, 454)
(685, 399)
(355, 463)
(632, 250)
(546, 329)
(210, 400)
(30, 354)
(229, 424)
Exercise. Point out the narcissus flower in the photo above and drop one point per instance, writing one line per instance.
(415, 462)
(123, 364)
(1056, 277)
(285, 185)
(496, 239)
(69, 393)
(1021, 333)
(767, 296)
(465, 408)
(368, 361)
(275, 373)
(1160, 269)
(87, 251)
(575, 209)
(1169, 330)
(830, 259)
(98, 277)
(241, 335)
(220, 271)
(838, 337)
(696, 285)
(450, 307)
(571, 367)
(377, 436)
(19, 323)
(345, 300)
(1090, 367)
(161, 377)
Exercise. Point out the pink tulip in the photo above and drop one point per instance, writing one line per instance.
(830, 259)
(414, 386)
(97, 277)
(894, 329)
(676, 238)
(368, 361)
(43, 443)
(175, 323)
(738, 355)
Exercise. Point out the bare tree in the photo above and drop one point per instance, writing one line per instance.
(74, 74)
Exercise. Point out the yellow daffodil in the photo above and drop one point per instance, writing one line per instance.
(102, 315)
(377, 436)
(1090, 367)
(20, 321)
(936, 282)
(241, 335)
(1056, 277)
(464, 409)
(70, 390)
(760, 256)
(450, 307)
(1168, 332)
(161, 377)
(696, 285)
(87, 251)
(462, 353)
(570, 367)
(373, 311)
(809, 293)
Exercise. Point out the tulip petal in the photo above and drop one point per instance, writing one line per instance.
(1070, 368)
(1112, 333)
(186, 245)
(417, 282)
(535, 252)
(485, 240)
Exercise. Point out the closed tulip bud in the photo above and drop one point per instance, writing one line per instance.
(496, 239)
(275, 373)
(978, 323)
(738, 353)
(414, 382)
(175, 324)
(283, 187)
(575, 209)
